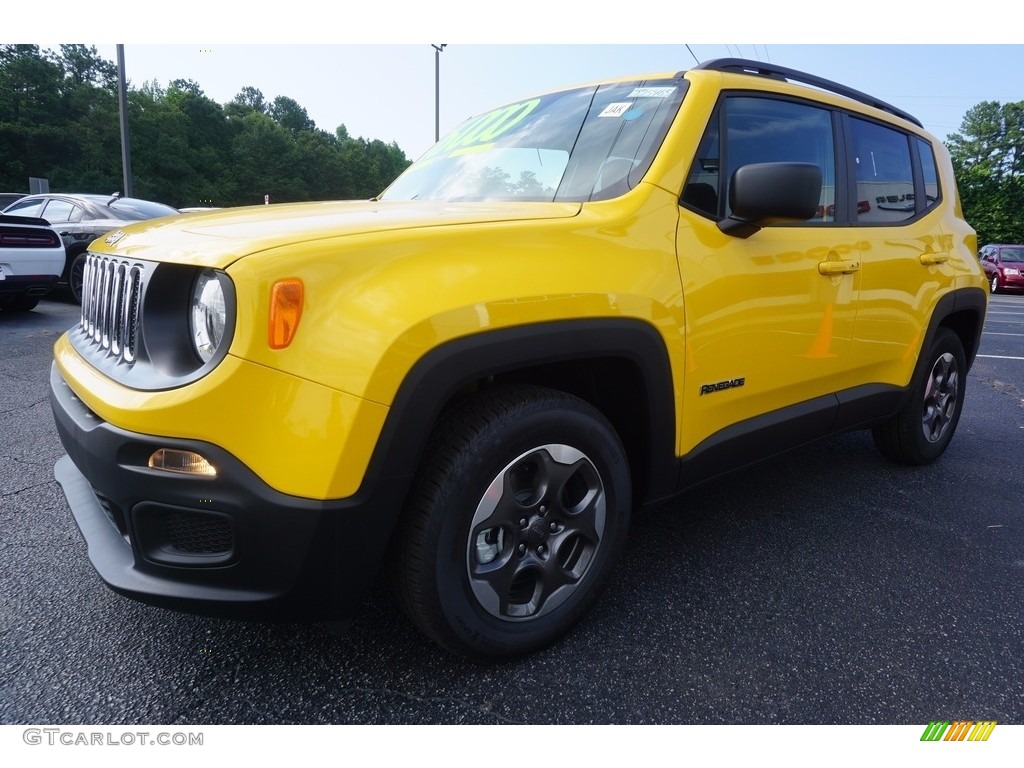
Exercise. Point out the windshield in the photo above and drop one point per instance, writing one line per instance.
(1012, 255)
(589, 143)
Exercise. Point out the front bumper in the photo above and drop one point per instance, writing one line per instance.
(1013, 282)
(226, 546)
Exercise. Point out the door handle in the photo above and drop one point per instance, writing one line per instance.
(931, 259)
(833, 268)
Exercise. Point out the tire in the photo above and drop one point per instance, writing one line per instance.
(994, 285)
(76, 273)
(515, 523)
(21, 304)
(920, 433)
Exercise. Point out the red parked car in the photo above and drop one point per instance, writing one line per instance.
(1004, 267)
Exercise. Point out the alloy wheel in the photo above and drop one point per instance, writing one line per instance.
(940, 398)
(535, 532)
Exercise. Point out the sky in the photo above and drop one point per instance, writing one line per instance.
(387, 92)
(372, 68)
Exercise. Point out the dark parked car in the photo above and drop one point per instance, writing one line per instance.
(1004, 267)
(80, 219)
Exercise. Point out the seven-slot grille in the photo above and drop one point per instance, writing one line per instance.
(111, 300)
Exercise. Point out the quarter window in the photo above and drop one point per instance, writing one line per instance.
(26, 208)
(929, 171)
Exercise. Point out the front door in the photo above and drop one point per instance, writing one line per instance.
(769, 318)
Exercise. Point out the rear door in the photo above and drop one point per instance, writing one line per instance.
(905, 253)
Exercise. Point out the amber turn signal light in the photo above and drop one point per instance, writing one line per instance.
(285, 312)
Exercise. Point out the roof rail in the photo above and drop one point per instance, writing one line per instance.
(751, 67)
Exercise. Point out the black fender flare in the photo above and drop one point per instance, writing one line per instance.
(442, 372)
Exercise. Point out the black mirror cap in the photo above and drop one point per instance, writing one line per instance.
(770, 193)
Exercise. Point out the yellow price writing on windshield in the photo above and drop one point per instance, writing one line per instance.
(484, 129)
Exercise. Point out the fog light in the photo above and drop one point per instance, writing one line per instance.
(185, 462)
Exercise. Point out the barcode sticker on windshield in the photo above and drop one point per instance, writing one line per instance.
(618, 109)
(657, 93)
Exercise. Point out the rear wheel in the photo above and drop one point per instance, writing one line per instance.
(922, 430)
(20, 304)
(516, 522)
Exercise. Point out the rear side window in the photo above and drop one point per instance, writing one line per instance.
(884, 173)
(761, 130)
(60, 211)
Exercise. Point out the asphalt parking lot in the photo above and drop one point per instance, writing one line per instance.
(827, 586)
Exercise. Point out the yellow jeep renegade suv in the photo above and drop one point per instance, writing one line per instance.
(571, 306)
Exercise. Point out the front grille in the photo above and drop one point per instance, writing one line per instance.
(111, 301)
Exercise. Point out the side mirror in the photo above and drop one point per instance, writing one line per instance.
(771, 193)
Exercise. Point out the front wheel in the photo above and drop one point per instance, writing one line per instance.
(515, 524)
(995, 284)
(921, 431)
(76, 276)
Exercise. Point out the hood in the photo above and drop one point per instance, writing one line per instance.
(218, 238)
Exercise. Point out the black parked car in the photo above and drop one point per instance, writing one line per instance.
(80, 219)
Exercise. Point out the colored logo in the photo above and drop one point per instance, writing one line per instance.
(958, 730)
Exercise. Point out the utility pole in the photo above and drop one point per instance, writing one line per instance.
(122, 100)
(437, 89)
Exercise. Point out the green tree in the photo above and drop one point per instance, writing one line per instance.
(84, 65)
(988, 160)
(91, 157)
(247, 100)
(289, 114)
(59, 119)
(263, 155)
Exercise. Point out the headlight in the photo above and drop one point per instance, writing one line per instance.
(209, 314)
(1011, 271)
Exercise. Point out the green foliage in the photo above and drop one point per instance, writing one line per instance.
(59, 120)
(988, 160)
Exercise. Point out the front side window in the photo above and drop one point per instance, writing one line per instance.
(761, 130)
(585, 144)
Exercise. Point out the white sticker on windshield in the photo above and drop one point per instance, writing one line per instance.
(657, 93)
(618, 109)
